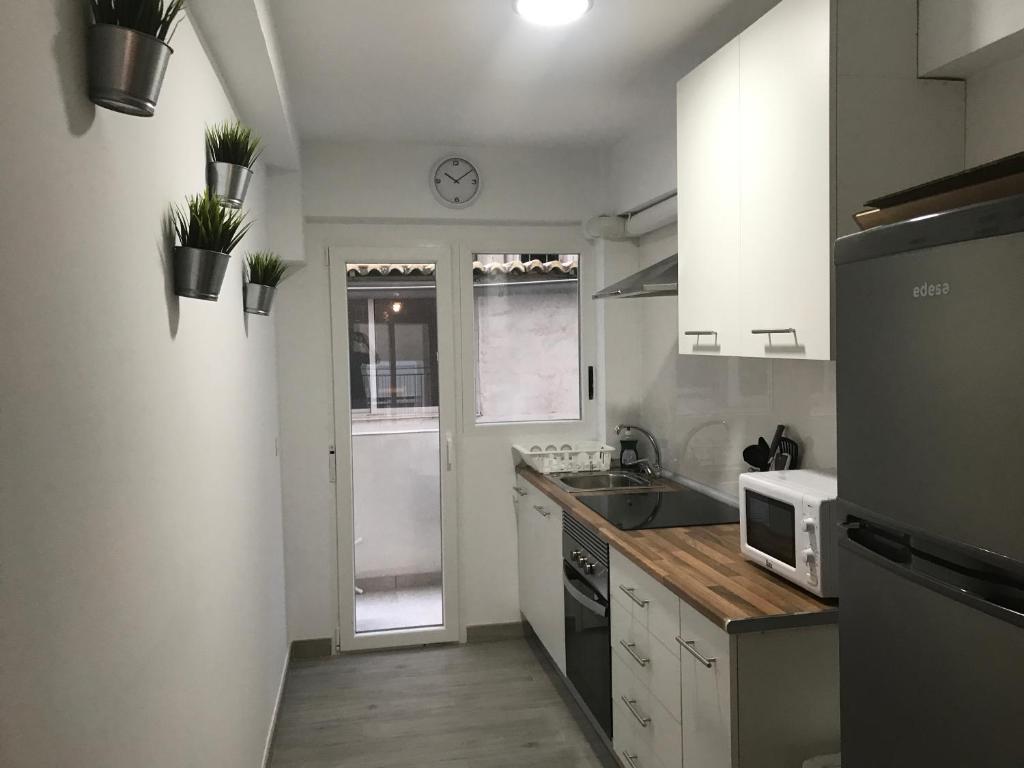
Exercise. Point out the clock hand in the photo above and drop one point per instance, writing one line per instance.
(462, 176)
(453, 178)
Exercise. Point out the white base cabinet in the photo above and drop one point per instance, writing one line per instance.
(539, 532)
(686, 693)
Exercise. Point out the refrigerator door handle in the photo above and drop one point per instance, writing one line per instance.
(947, 589)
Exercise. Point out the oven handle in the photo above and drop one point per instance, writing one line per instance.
(590, 604)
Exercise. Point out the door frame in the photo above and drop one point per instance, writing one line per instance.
(448, 407)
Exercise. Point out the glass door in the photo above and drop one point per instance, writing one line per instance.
(394, 392)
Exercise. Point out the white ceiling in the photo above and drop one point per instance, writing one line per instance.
(473, 72)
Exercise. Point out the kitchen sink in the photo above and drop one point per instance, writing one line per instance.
(578, 482)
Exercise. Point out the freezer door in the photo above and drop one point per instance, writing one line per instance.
(931, 674)
(930, 360)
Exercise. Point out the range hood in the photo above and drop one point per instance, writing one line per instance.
(661, 279)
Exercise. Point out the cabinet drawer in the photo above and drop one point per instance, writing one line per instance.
(651, 604)
(657, 735)
(652, 664)
(706, 677)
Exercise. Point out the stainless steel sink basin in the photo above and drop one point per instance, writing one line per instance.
(579, 482)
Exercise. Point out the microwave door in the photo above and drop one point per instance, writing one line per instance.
(929, 383)
(770, 528)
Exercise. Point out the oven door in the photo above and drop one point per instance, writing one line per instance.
(768, 531)
(588, 652)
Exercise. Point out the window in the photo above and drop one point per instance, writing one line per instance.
(527, 311)
(392, 320)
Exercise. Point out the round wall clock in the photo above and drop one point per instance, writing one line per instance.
(455, 182)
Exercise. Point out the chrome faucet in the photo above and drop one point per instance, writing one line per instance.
(651, 468)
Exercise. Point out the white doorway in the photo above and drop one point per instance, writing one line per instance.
(395, 406)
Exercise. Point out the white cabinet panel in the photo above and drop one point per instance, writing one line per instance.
(706, 666)
(709, 197)
(539, 530)
(785, 241)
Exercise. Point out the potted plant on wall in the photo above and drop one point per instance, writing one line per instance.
(129, 51)
(232, 150)
(265, 270)
(207, 234)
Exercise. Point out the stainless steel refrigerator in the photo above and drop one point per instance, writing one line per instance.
(930, 361)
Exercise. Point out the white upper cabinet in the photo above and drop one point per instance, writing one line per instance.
(778, 147)
(785, 222)
(709, 204)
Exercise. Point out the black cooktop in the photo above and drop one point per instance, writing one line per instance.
(667, 509)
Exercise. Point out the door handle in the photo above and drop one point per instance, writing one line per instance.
(691, 646)
(631, 760)
(518, 490)
(448, 449)
(543, 512)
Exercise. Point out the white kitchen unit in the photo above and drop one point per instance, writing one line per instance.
(539, 528)
(688, 693)
(782, 135)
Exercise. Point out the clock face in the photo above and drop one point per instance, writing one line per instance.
(456, 182)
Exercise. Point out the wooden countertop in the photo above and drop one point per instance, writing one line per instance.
(703, 566)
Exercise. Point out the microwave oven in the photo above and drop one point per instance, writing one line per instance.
(787, 526)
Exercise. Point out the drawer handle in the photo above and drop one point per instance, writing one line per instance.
(518, 490)
(701, 333)
(631, 706)
(630, 592)
(543, 512)
(636, 657)
(631, 760)
(690, 645)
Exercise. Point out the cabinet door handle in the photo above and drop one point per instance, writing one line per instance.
(543, 512)
(518, 490)
(631, 706)
(690, 645)
(630, 592)
(631, 760)
(700, 333)
(774, 331)
(630, 649)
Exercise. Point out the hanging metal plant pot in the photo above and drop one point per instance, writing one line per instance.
(232, 150)
(207, 233)
(228, 182)
(264, 271)
(199, 274)
(126, 69)
(259, 298)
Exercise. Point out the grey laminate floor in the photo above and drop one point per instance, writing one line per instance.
(486, 705)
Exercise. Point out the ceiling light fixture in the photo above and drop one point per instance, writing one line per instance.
(552, 13)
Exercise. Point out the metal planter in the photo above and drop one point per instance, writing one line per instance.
(126, 69)
(199, 274)
(258, 298)
(229, 183)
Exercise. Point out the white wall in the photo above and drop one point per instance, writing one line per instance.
(142, 596)
(995, 112)
(706, 410)
(391, 181)
(960, 37)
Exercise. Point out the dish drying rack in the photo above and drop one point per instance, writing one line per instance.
(585, 456)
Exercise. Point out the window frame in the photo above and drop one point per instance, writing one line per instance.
(588, 274)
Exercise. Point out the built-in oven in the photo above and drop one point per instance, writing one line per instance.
(588, 654)
(786, 527)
